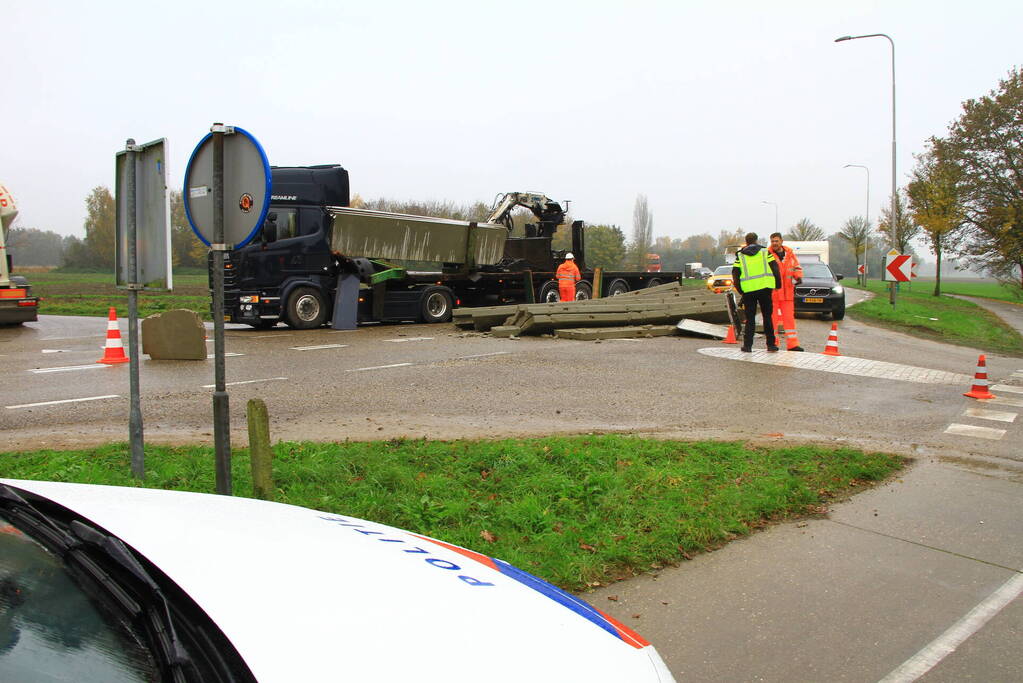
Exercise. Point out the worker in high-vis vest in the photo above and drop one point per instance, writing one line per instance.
(755, 275)
(783, 300)
(568, 274)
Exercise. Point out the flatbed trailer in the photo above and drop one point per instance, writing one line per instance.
(295, 271)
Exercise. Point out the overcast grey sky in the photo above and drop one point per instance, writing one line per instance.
(708, 108)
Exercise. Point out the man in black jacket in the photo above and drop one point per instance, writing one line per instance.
(755, 275)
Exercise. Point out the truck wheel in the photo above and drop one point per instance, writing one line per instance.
(617, 287)
(654, 282)
(548, 293)
(435, 305)
(583, 291)
(307, 309)
(838, 312)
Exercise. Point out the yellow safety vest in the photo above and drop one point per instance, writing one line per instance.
(755, 271)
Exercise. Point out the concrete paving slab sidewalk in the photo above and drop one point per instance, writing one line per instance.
(847, 598)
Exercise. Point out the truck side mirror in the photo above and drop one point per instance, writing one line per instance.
(269, 231)
(839, 276)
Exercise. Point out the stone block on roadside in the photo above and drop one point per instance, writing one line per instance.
(174, 335)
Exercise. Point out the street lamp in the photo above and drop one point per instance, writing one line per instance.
(775, 213)
(894, 217)
(866, 217)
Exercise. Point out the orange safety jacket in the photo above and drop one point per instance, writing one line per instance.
(568, 274)
(788, 265)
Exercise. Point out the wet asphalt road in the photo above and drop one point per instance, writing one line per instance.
(868, 590)
(435, 381)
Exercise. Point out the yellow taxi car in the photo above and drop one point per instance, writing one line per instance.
(720, 281)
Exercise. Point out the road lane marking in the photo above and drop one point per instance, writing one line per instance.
(66, 400)
(70, 368)
(56, 351)
(248, 381)
(845, 365)
(978, 432)
(316, 348)
(213, 355)
(408, 339)
(1006, 387)
(380, 367)
(1005, 400)
(1018, 375)
(91, 336)
(945, 644)
(482, 355)
(990, 414)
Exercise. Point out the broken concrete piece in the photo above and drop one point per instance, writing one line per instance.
(598, 333)
(174, 335)
(701, 328)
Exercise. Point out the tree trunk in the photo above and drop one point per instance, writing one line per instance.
(937, 272)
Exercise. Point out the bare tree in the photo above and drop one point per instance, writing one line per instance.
(856, 231)
(805, 230)
(905, 229)
(642, 230)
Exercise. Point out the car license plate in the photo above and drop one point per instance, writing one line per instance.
(813, 300)
(227, 318)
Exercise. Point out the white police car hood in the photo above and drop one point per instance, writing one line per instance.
(306, 595)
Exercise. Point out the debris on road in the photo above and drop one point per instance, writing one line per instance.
(664, 305)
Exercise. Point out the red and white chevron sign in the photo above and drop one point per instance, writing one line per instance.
(898, 267)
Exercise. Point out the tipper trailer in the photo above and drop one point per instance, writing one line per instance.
(409, 268)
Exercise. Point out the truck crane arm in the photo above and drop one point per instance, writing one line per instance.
(547, 211)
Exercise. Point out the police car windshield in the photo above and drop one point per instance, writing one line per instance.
(52, 628)
(819, 271)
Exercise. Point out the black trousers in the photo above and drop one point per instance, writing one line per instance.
(750, 301)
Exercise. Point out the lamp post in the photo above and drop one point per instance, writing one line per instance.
(775, 213)
(894, 216)
(866, 217)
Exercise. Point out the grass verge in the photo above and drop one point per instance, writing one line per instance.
(984, 289)
(92, 294)
(578, 511)
(942, 318)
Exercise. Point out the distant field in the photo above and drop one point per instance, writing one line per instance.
(92, 294)
(988, 289)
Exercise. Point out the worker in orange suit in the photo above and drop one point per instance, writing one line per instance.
(568, 274)
(784, 299)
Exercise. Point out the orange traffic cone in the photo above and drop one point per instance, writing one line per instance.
(730, 337)
(831, 349)
(113, 352)
(979, 388)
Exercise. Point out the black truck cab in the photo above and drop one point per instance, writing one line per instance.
(287, 271)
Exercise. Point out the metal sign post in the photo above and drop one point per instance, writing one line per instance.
(221, 408)
(138, 469)
(206, 188)
(143, 225)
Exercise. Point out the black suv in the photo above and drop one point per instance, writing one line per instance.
(820, 291)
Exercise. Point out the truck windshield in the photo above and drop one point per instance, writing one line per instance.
(52, 629)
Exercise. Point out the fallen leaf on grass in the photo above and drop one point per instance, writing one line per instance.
(487, 536)
(587, 546)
